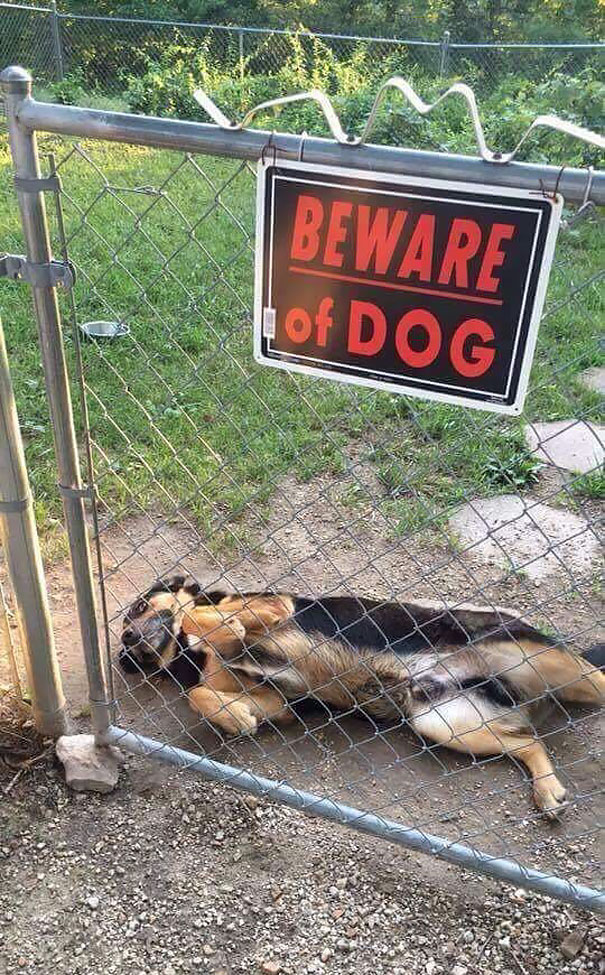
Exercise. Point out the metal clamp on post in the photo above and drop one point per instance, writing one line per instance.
(55, 274)
(88, 492)
(38, 184)
(16, 506)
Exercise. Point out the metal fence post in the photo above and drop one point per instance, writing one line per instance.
(57, 43)
(444, 53)
(22, 551)
(16, 84)
(241, 54)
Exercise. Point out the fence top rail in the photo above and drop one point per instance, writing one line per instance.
(250, 144)
(289, 32)
(528, 45)
(25, 6)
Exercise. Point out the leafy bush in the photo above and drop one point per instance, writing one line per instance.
(72, 90)
(166, 88)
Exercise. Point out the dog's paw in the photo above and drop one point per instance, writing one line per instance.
(550, 797)
(236, 719)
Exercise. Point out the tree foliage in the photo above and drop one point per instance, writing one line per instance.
(468, 20)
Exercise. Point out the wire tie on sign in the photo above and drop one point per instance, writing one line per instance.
(72, 492)
(16, 506)
(588, 189)
(545, 193)
(586, 202)
(301, 147)
(268, 145)
(587, 206)
(556, 189)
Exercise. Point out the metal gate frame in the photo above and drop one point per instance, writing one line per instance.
(25, 117)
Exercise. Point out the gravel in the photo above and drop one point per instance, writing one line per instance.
(172, 875)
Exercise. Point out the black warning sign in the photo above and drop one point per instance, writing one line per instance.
(419, 286)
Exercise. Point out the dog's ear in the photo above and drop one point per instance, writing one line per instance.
(189, 585)
(214, 596)
(192, 587)
(170, 584)
(174, 583)
(205, 598)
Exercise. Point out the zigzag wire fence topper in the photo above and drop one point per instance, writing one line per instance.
(217, 476)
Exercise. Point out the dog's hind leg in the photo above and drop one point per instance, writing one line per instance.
(537, 667)
(570, 676)
(460, 725)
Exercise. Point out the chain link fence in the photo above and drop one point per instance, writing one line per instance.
(106, 53)
(250, 479)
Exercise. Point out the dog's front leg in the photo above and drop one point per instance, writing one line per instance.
(240, 713)
(232, 713)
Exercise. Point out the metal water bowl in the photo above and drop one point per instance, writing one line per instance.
(105, 330)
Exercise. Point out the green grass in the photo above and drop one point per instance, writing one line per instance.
(591, 485)
(182, 417)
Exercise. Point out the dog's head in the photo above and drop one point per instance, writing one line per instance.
(152, 627)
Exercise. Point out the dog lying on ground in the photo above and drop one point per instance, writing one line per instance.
(472, 679)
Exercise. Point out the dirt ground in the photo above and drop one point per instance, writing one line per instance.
(171, 874)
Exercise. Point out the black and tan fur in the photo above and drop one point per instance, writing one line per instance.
(469, 678)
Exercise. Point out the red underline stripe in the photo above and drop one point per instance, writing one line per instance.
(394, 287)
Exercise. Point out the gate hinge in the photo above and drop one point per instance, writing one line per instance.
(38, 184)
(55, 274)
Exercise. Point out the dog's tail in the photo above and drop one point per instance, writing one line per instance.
(596, 655)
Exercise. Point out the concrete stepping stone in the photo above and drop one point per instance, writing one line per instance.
(572, 445)
(522, 534)
(594, 378)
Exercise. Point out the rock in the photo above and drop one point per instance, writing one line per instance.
(459, 970)
(271, 967)
(93, 902)
(219, 964)
(520, 533)
(573, 943)
(88, 767)
(594, 378)
(573, 445)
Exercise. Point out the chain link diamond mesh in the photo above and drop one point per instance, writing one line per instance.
(253, 479)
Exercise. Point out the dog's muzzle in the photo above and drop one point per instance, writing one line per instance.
(143, 646)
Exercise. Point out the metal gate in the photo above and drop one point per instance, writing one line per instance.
(198, 461)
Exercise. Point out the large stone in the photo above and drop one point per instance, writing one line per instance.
(573, 942)
(594, 378)
(573, 445)
(523, 534)
(88, 767)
